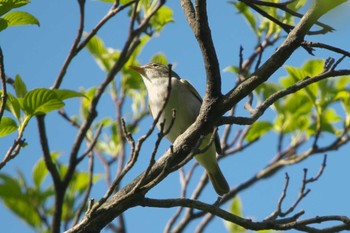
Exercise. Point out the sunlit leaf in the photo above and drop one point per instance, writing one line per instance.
(64, 94)
(313, 67)
(248, 15)
(85, 102)
(297, 74)
(297, 104)
(39, 172)
(7, 126)
(20, 87)
(104, 57)
(9, 187)
(162, 17)
(17, 201)
(267, 89)
(41, 101)
(12, 105)
(258, 129)
(232, 69)
(17, 18)
(159, 58)
(236, 209)
(7, 5)
(3, 24)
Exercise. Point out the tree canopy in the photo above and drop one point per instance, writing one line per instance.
(80, 152)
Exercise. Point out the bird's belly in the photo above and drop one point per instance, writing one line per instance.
(186, 108)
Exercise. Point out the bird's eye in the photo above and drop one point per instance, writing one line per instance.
(154, 65)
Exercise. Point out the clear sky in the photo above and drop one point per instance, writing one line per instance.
(37, 54)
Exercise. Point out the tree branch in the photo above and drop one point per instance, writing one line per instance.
(198, 20)
(3, 84)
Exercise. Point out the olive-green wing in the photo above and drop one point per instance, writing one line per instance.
(195, 92)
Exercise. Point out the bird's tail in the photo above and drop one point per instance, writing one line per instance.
(218, 181)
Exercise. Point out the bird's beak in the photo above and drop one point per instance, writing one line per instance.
(139, 70)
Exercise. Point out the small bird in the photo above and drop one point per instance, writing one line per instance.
(187, 102)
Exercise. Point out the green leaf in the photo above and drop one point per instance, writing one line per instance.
(3, 24)
(9, 187)
(297, 74)
(313, 67)
(12, 105)
(160, 58)
(41, 101)
(232, 69)
(17, 201)
(236, 209)
(20, 87)
(297, 104)
(258, 129)
(248, 15)
(85, 102)
(104, 57)
(39, 172)
(328, 118)
(342, 82)
(162, 17)
(63, 94)
(17, 18)
(23, 208)
(7, 5)
(7, 126)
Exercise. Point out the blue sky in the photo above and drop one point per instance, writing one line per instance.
(37, 54)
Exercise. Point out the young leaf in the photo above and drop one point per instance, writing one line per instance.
(9, 187)
(12, 105)
(20, 87)
(39, 172)
(7, 5)
(17, 201)
(236, 209)
(160, 58)
(67, 94)
(258, 129)
(85, 102)
(163, 16)
(7, 126)
(248, 15)
(17, 18)
(3, 24)
(104, 57)
(41, 101)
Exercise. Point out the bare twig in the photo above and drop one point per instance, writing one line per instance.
(87, 191)
(3, 84)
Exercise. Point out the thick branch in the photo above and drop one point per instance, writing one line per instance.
(282, 224)
(198, 21)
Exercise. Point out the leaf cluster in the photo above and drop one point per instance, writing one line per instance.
(308, 112)
(15, 18)
(31, 200)
(26, 104)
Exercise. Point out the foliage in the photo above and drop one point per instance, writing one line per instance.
(56, 195)
(15, 18)
(308, 112)
(27, 104)
(32, 200)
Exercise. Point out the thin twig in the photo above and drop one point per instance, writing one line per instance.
(87, 191)
(3, 84)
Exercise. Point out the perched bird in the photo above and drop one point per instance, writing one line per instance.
(186, 101)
